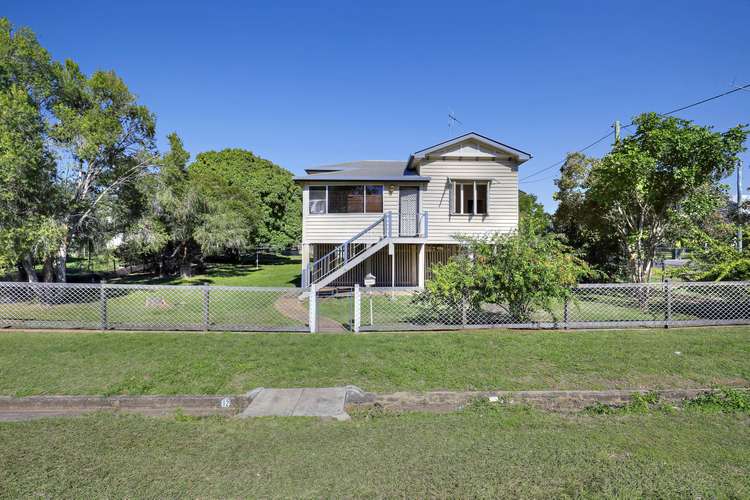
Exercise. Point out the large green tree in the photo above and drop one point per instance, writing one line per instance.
(108, 141)
(29, 230)
(183, 225)
(102, 140)
(278, 209)
(655, 187)
(532, 213)
(648, 177)
(583, 228)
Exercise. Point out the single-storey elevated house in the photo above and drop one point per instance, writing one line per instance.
(395, 219)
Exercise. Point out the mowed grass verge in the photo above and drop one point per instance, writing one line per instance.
(503, 452)
(223, 363)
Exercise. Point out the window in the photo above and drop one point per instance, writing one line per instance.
(346, 199)
(374, 199)
(470, 197)
(481, 197)
(317, 199)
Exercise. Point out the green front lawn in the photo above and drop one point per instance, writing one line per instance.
(219, 363)
(489, 452)
(273, 271)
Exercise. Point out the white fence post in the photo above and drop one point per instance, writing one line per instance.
(357, 308)
(312, 311)
(206, 308)
(668, 303)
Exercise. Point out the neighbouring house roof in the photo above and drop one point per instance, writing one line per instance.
(363, 170)
(395, 170)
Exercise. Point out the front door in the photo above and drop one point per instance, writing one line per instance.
(408, 209)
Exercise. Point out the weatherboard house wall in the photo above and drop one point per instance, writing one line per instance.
(482, 170)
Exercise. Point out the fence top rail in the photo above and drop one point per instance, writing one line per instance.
(660, 284)
(117, 286)
(390, 288)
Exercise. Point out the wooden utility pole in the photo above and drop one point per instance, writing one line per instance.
(617, 128)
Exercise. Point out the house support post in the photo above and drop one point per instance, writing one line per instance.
(312, 311)
(392, 252)
(421, 271)
(357, 308)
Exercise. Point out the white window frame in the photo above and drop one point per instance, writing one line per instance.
(364, 199)
(325, 205)
(455, 193)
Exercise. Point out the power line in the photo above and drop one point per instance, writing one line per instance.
(682, 108)
(563, 160)
(732, 91)
(534, 181)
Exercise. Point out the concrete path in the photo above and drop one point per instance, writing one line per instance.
(303, 402)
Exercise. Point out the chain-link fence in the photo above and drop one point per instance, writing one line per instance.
(169, 307)
(152, 307)
(590, 306)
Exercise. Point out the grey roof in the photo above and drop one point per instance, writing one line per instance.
(363, 170)
(395, 170)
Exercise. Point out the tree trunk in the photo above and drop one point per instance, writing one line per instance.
(48, 270)
(28, 267)
(61, 262)
(186, 269)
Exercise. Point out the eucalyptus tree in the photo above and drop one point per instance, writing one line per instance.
(69, 143)
(106, 141)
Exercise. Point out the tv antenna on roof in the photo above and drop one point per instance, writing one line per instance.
(452, 120)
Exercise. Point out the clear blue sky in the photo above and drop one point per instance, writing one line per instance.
(322, 82)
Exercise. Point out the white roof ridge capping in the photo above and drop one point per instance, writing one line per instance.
(521, 156)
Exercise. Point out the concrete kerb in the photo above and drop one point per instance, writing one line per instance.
(563, 401)
(23, 408)
(148, 405)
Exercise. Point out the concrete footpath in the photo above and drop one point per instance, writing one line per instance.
(300, 402)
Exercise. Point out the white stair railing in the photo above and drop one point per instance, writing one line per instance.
(351, 248)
